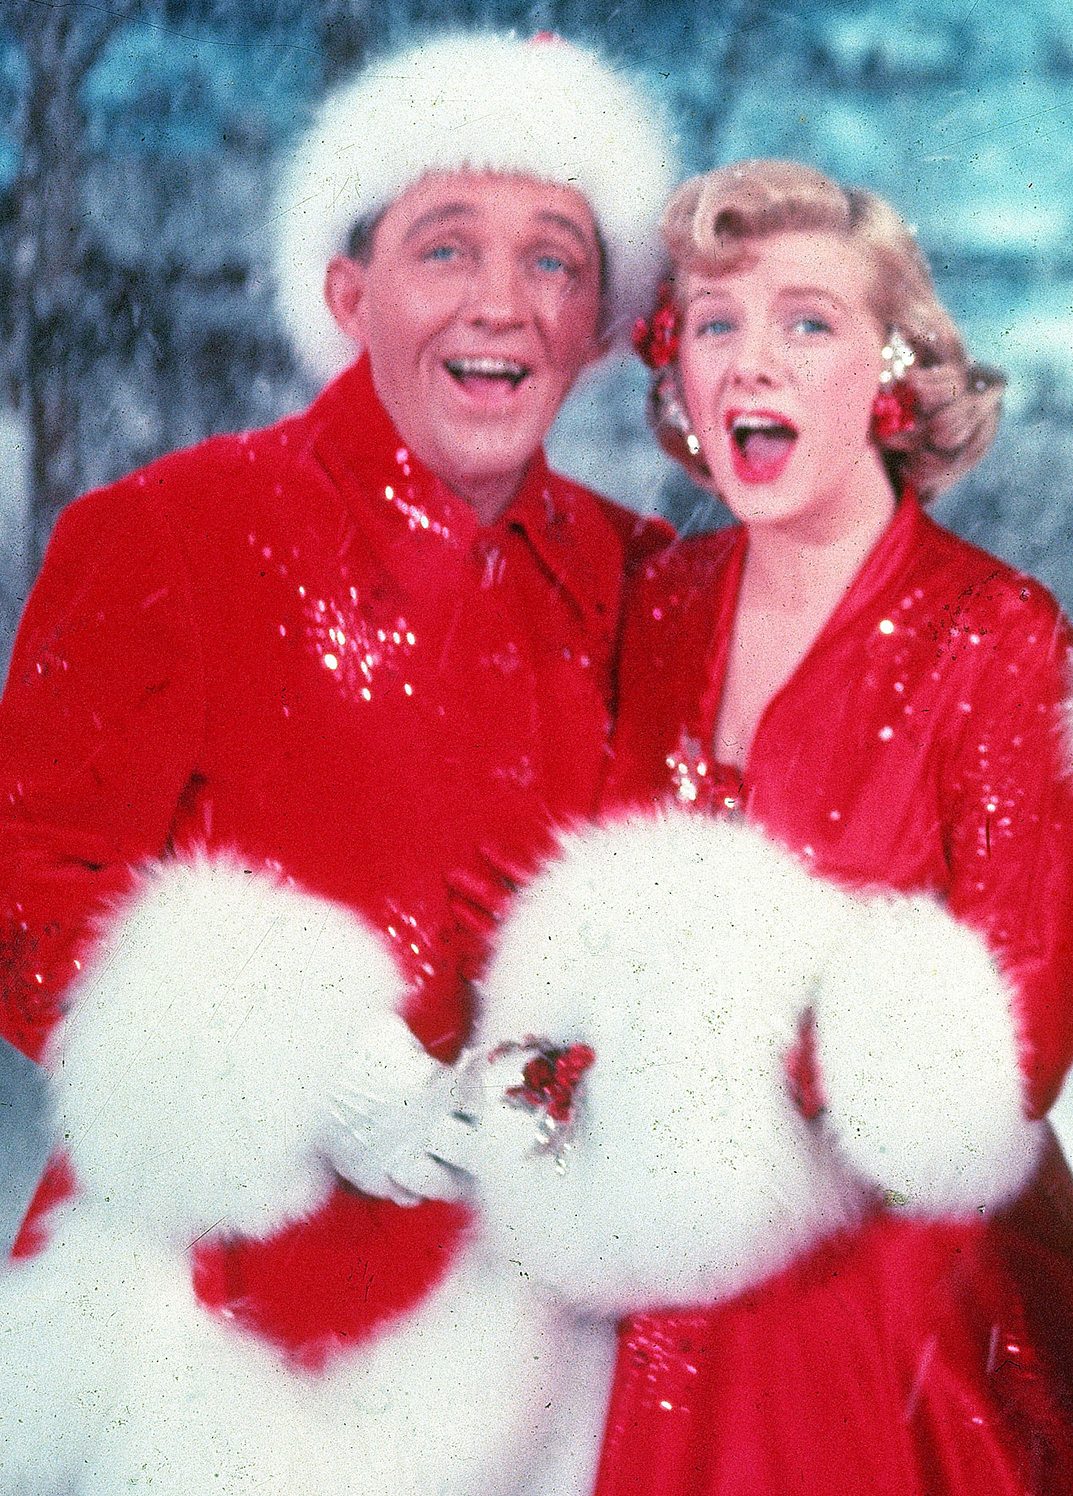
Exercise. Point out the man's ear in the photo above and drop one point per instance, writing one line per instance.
(344, 291)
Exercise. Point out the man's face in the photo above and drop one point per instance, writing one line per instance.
(478, 305)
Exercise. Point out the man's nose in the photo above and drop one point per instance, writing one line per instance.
(497, 296)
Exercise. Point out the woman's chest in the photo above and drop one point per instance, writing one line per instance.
(848, 758)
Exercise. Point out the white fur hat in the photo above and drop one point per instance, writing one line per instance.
(549, 110)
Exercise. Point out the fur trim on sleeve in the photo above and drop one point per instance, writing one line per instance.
(113, 1379)
(918, 1055)
(205, 1035)
(684, 951)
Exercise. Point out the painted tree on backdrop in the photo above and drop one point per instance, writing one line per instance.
(52, 337)
(109, 139)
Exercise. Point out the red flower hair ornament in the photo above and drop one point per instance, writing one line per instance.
(549, 1084)
(655, 337)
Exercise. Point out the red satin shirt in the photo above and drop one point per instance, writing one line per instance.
(919, 745)
(300, 644)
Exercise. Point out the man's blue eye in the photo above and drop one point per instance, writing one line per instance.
(811, 325)
(551, 263)
(441, 252)
(715, 327)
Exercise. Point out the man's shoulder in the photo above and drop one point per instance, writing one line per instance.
(219, 463)
(208, 483)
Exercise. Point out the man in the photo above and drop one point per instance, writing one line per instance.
(306, 680)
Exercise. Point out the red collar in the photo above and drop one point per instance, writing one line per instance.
(420, 527)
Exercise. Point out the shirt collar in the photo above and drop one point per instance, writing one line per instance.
(401, 501)
(569, 531)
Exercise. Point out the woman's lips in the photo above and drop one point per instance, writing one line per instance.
(761, 444)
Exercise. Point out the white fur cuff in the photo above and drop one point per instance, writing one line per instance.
(917, 1051)
(114, 1380)
(204, 1040)
(683, 950)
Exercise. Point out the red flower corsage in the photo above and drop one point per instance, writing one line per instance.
(550, 1079)
(894, 411)
(655, 337)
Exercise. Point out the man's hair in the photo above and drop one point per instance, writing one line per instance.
(709, 225)
(359, 244)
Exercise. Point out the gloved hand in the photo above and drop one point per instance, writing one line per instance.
(509, 1104)
(390, 1105)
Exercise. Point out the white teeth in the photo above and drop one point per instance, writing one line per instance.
(759, 423)
(502, 368)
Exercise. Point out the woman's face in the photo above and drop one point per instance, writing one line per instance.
(780, 361)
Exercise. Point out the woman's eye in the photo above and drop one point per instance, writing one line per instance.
(810, 325)
(441, 252)
(715, 327)
(551, 264)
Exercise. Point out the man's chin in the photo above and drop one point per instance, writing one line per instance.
(493, 445)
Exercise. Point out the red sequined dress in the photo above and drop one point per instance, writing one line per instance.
(920, 745)
(299, 645)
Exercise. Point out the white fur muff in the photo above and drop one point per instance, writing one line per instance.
(687, 952)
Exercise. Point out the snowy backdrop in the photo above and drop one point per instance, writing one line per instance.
(138, 150)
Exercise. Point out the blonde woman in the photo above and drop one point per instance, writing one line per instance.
(886, 702)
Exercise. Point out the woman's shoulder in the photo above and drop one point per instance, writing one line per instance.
(978, 595)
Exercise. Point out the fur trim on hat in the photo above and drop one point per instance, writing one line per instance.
(918, 1058)
(684, 950)
(549, 110)
(114, 1380)
(206, 1034)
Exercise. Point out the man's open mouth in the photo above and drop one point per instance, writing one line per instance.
(486, 372)
(761, 442)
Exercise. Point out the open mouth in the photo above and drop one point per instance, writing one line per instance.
(485, 375)
(761, 442)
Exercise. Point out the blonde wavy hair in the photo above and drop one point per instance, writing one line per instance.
(708, 226)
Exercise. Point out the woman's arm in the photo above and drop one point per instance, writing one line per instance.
(1009, 791)
(946, 1031)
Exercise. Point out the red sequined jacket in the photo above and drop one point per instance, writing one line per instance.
(299, 645)
(921, 746)
(918, 746)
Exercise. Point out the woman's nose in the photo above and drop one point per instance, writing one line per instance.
(756, 360)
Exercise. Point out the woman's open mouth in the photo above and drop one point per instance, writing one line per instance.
(761, 444)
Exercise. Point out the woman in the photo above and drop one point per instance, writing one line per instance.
(887, 703)
(880, 697)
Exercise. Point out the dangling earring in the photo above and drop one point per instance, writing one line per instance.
(894, 409)
(672, 412)
(655, 341)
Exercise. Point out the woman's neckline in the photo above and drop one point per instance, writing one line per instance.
(875, 569)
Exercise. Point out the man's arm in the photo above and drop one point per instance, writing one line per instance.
(99, 730)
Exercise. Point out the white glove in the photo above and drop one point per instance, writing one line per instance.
(388, 1107)
(487, 1125)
